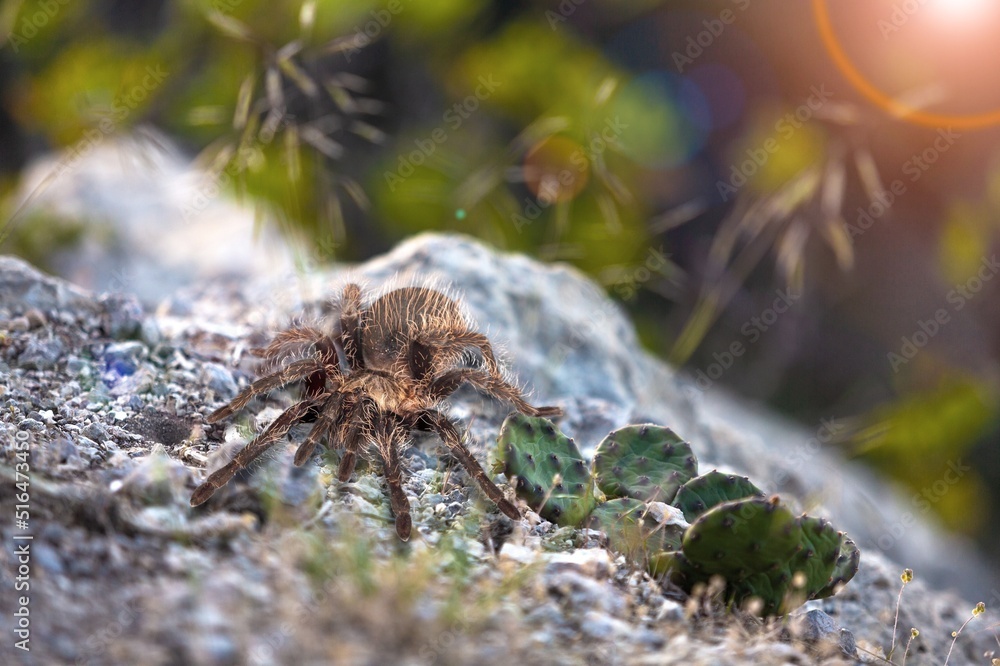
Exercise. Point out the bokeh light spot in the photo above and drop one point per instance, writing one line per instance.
(556, 169)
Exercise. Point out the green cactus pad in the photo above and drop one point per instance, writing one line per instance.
(708, 490)
(781, 590)
(770, 588)
(736, 539)
(818, 555)
(644, 462)
(631, 530)
(552, 476)
(848, 561)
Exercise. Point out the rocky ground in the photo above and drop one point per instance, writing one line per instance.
(286, 565)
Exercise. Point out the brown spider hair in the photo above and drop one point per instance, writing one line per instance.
(379, 375)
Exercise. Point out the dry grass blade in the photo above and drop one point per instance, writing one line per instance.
(206, 115)
(348, 43)
(477, 186)
(541, 129)
(832, 198)
(289, 50)
(368, 106)
(231, 27)
(609, 211)
(791, 251)
(298, 77)
(368, 132)
(292, 162)
(835, 233)
(841, 114)
(868, 173)
(357, 193)
(605, 90)
(612, 182)
(341, 97)
(272, 87)
(322, 142)
(243, 100)
(723, 279)
(272, 123)
(676, 216)
(352, 82)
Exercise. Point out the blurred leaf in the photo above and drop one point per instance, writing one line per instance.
(965, 240)
(918, 437)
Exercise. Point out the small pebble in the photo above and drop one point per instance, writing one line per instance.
(31, 424)
(36, 318)
(18, 324)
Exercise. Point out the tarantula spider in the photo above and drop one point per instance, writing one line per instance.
(377, 377)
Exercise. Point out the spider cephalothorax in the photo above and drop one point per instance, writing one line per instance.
(378, 376)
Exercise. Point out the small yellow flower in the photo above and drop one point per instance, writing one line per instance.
(979, 609)
(914, 633)
(906, 576)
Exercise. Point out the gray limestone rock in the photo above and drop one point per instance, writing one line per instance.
(562, 338)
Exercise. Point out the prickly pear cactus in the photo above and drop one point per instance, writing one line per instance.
(644, 462)
(719, 525)
(633, 530)
(552, 476)
(848, 561)
(708, 490)
(737, 538)
(817, 557)
(763, 553)
(800, 578)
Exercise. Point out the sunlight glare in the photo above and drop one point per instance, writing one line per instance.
(961, 10)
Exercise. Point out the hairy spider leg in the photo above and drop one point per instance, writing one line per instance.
(349, 437)
(350, 326)
(327, 421)
(278, 428)
(290, 340)
(388, 434)
(290, 373)
(446, 383)
(439, 423)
